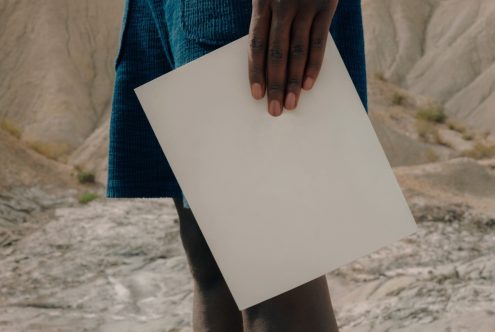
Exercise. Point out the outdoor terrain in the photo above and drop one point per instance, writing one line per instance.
(71, 260)
(444, 49)
(56, 64)
(118, 265)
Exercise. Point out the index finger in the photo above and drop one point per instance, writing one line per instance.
(258, 36)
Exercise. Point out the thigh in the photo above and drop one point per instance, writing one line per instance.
(203, 266)
(305, 308)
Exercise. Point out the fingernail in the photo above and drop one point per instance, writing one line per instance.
(275, 107)
(308, 83)
(256, 91)
(290, 100)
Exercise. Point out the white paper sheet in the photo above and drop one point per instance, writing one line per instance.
(280, 200)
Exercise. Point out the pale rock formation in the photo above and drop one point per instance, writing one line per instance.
(56, 65)
(444, 49)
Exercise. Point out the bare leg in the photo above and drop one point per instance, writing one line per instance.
(214, 309)
(304, 308)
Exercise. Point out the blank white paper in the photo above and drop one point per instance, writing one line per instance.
(280, 200)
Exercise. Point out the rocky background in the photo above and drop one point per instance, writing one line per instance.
(71, 260)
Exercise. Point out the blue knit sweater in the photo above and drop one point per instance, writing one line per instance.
(160, 35)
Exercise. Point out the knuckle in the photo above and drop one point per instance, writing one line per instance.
(318, 42)
(276, 55)
(275, 87)
(298, 51)
(293, 82)
(313, 66)
(257, 44)
(256, 71)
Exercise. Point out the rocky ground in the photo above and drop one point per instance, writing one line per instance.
(105, 266)
(118, 265)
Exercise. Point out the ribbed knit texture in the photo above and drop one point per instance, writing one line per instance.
(158, 36)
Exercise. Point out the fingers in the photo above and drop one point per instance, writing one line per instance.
(278, 47)
(258, 34)
(298, 54)
(318, 39)
(286, 49)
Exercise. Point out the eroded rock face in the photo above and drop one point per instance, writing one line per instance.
(92, 155)
(440, 48)
(56, 64)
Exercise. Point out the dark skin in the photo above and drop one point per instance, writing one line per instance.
(287, 44)
(287, 41)
(304, 308)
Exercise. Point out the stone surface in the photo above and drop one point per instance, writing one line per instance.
(118, 265)
(57, 95)
(105, 266)
(56, 64)
(444, 49)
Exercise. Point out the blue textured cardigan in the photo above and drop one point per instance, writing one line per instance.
(160, 35)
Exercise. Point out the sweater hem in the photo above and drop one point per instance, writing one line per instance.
(144, 191)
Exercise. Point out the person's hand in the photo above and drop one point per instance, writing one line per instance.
(287, 40)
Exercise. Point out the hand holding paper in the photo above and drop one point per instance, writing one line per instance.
(286, 48)
(301, 194)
